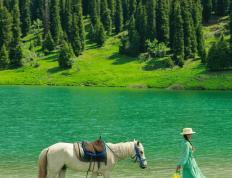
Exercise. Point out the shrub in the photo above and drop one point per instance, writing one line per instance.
(161, 63)
(156, 49)
(168, 63)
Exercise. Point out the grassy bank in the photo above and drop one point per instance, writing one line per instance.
(105, 67)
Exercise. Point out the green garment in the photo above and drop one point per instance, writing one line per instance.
(188, 163)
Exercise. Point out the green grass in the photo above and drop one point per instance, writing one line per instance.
(105, 67)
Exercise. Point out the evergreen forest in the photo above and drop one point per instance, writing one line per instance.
(166, 36)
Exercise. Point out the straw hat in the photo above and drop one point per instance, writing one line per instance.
(187, 131)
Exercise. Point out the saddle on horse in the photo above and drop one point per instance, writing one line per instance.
(97, 146)
(94, 151)
(91, 151)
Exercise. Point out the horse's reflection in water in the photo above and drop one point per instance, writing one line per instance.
(54, 161)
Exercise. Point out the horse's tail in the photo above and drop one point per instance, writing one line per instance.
(43, 164)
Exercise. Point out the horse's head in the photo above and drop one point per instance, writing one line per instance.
(139, 154)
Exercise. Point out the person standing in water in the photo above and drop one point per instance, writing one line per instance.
(187, 162)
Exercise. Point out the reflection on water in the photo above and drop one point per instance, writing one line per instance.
(33, 118)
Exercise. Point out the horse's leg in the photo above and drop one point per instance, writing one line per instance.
(106, 175)
(94, 175)
(62, 173)
(51, 174)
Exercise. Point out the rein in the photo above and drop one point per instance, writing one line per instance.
(112, 151)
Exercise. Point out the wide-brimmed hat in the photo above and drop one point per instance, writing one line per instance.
(187, 131)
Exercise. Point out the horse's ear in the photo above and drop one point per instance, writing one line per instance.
(138, 143)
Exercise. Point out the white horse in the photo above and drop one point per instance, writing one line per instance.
(54, 160)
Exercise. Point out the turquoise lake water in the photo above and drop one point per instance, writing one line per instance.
(32, 118)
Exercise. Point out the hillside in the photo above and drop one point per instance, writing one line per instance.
(105, 67)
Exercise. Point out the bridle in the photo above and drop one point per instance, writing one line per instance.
(137, 157)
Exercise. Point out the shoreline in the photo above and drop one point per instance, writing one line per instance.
(175, 87)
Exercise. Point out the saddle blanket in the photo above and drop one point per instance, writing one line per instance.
(87, 156)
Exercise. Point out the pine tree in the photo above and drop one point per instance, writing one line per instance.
(17, 58)
(9, 4)
(4, 58)
(81, 24)
(66, 19)
(231, 25)
(103, 9)
(118, 17)
(15, 52)
(172, 23)
(65, 56)
(98, 33)
(197, 12)
(48, 44)
(93, 7)
(162, 21)
(134, 38)
(100, 36)
(177, 33)
(141, 25)
(190, 43)
(36, 31)
(98, 6)
(214, 5)
(5, 27)
(111, 5)
(75, 37)
(222, 7)
(55, 25)
(78, 33)
(219, 56)
(24, 6)
(125, 9)
(207, 10)
(16, 22)
(46, 17)
(197, 20)
(201, 44)
(36, 9)
(132, 7)
(62, 13)
(85, 6)
(151, 19)
(105, 17)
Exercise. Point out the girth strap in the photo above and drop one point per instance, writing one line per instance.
(77, 151)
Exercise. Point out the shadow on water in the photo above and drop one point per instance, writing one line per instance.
(120, 59)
